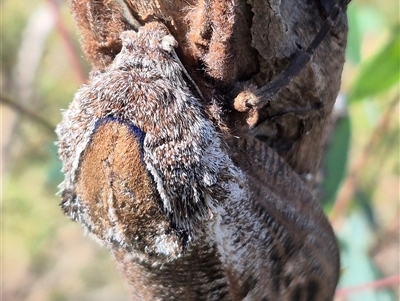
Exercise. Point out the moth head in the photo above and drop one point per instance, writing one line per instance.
(168, 43)
(152, 36)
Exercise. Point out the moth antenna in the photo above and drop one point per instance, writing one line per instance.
(173, 52)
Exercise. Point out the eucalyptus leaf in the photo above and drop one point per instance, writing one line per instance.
(380, 73)
(354, 36)
(335, 161)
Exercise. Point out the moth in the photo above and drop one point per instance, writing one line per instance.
(189, 211)
(142, 104)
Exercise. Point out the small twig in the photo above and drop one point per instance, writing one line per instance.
(27, 113)
(68, 42)
(378, 284)
(350, 185)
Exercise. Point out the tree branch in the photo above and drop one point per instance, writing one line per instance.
(7, 100)
(378, 284)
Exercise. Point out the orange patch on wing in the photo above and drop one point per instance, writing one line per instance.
(113, 183)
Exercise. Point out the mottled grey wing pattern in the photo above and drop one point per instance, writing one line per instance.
(301, 250)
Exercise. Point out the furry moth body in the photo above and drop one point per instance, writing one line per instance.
(144, 90)
(186, 216)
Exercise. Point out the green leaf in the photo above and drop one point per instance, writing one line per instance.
(335, 161)
(363, 20)
(354, 36)
(380, 73)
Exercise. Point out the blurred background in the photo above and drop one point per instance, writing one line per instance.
(45, 256)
